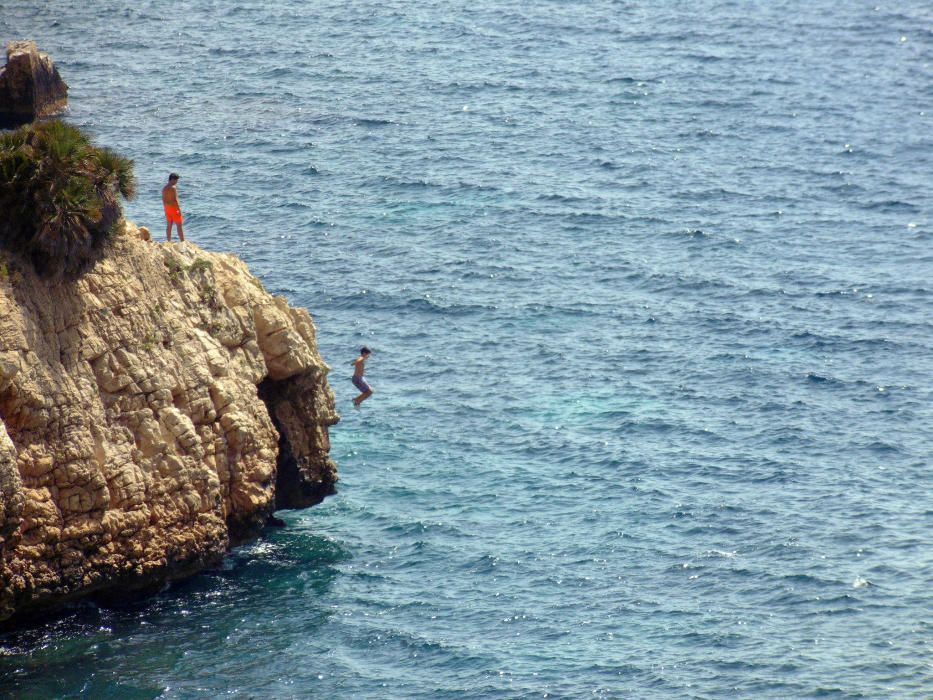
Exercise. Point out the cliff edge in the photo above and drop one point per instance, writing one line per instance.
(153, 412)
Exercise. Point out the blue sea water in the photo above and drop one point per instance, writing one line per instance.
(648, 286)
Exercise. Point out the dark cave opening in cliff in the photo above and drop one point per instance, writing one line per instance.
(293, 487)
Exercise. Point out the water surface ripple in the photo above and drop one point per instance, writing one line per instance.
(648, 285)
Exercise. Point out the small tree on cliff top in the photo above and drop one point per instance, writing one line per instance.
(59, 195)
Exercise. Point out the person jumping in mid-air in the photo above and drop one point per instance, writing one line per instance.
(359, 381)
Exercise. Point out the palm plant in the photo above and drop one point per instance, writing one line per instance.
(59, 195)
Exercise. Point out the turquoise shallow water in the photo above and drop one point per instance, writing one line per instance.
(648, 286)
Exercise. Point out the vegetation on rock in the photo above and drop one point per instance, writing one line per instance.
(59, 195)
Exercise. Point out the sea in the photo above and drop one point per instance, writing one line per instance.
(648, 288)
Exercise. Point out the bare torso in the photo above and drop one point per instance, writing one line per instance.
(170, 195)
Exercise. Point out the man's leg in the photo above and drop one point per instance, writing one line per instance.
(181, 234)
(168, 231)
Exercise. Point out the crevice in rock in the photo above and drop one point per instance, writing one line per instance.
(303, 478)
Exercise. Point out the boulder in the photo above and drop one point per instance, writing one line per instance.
(30, 86)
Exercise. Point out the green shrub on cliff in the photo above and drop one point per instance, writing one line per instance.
(59, 195)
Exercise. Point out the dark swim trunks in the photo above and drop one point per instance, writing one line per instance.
(361, 384)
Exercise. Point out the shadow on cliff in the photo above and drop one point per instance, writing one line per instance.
(299, 483)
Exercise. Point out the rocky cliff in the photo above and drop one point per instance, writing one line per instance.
(30, 86)
(153, 412)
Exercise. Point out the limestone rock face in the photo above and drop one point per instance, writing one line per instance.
(152, 413)
(30, 86)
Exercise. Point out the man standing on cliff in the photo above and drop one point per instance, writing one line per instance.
(172, 208)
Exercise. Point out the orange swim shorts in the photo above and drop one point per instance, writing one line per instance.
(172, 214)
